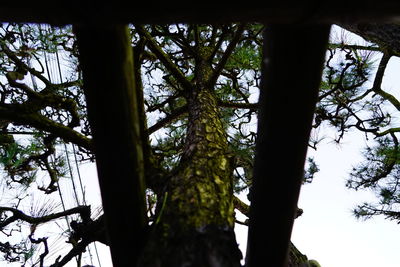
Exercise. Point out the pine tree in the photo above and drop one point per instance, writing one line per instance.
(353, 97)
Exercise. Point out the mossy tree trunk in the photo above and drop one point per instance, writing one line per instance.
(195, 223)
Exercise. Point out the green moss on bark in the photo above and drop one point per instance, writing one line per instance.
(198, 215)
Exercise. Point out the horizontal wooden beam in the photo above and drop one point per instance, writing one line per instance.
(292, 68)
(74, 11)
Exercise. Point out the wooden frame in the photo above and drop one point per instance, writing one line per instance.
(285, 115)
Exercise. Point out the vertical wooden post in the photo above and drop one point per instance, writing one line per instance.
(106, 59)
(292, 68)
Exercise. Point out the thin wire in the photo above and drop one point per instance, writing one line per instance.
(47, 65)
(79, 174)
(59, 189)
(65, 145)
(33, 79)
(84, 199)
(72, 175)
(34, 84)
(61, 198)
(77, 169)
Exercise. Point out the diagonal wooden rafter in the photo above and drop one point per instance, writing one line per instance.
(280, 155)
(113, 113)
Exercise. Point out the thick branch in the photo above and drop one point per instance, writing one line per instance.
(76, 250)
(389, 97)
(356, 47)
(217, 44)
(228, 52)
(376, 87)
(245, 209)
(21, 64)
(235, 83)
(250, 106)
(378, 83)
(381, 71)
(388, 131)
(12, 82)
(241, 206)
(164, 58)
(386, 36)
(16, 115)
(69, 84)
(170, 118)
(163, 103)
(40, 100)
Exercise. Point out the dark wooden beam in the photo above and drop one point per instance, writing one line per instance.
(292, 67)
(106, 59)
(74, 11)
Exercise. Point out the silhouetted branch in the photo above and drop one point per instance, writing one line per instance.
(168, 119)
(228, 52)
(250, 106)
(164, 58)
(84, 211)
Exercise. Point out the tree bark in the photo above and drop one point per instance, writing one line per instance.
(195, 222)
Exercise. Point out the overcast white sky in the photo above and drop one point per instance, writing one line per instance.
(327, 231)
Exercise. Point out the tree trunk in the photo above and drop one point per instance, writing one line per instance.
(195, 221)
(296, 258)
